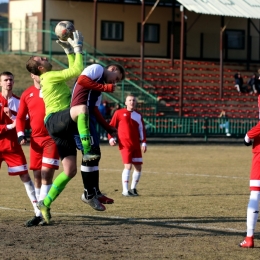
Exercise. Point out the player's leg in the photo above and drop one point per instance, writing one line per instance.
(253, 204)
(137, 162)
(127, 161)
(80, 115)
(252, 216)
(35, 166)
(90, 178)
(50, 163)
(17, 165)
(61, 128)
(89, 173)
(135, 178)
(93, 175)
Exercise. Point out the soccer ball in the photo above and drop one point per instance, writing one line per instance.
(64, 30)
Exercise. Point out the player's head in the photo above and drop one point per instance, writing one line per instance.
(38, 65)
(6, 80)
(130, 102)
(114, 73)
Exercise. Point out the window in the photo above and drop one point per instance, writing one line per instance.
(235, 39)
(53, 24)
(151, 32)
(112, 31)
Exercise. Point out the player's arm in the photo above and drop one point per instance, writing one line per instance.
(254, 131)
(88, 83)
(74, 70)
(142, 133)
(21, 121)
(113, 123)
(100, 119)
(5, 127)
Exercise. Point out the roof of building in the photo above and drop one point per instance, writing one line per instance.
(237, 8)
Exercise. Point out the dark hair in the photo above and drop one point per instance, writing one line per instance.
(6, 73)
(119, 67)
(32, 66)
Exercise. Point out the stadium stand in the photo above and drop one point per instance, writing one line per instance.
(201, 87)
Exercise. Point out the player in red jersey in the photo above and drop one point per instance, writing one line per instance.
(253, 204)
(131, 130)
(44, 157)
(10, 151)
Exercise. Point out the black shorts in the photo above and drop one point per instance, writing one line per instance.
(62, 128)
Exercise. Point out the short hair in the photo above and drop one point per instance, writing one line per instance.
(119, 67)
(32, 66)
(6, 73)
(130, 95)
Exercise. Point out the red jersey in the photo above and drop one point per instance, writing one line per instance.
(8, 138)
(130, 127)
(31, 103)
(254, 133)
(13, 104)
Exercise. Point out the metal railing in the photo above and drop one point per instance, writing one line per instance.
(198, 126)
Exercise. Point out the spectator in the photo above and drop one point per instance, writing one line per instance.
(224, 122)
(115, 108)
(239, 83)
(252, 83)
(105, 112)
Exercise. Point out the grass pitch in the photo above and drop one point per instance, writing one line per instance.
(192, 205)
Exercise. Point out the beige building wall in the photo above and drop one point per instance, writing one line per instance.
(82, 14)
(18, 10)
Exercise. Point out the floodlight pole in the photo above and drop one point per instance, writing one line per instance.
(142, 40)
(181, 60)
(95, 29)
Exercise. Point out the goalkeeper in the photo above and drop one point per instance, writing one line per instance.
(60, 119)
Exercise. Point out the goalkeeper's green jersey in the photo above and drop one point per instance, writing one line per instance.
(55, 92)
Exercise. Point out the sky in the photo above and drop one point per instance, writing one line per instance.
(4, 1)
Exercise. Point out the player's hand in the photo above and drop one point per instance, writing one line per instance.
(66, 46)
(22, 140)
(8, 111)
(247, 144)
(247, 141)
(144, 147)
(77, 43)
(112, 141)
(112, 131)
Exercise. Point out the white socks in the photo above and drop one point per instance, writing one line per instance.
(135, 179)
(29, 186)
(125, 180)
(44, 191)
(252, 212)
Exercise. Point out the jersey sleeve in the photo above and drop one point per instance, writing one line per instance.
(114, 123)
(142, 131)
(254, 132)
(21, 117)
(88, 83)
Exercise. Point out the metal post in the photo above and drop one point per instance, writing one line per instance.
(142, 40)
(181, 60)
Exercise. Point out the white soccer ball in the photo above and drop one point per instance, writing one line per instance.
(64, 30)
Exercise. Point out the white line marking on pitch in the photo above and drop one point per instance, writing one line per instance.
(185, 174)
(169, 222)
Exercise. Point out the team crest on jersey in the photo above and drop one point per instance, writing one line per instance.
(31, 95)
(125, 114)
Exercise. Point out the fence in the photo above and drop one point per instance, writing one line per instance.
(195, 126)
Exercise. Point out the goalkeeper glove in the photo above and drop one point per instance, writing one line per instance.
(66, 46)
(77, 42)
